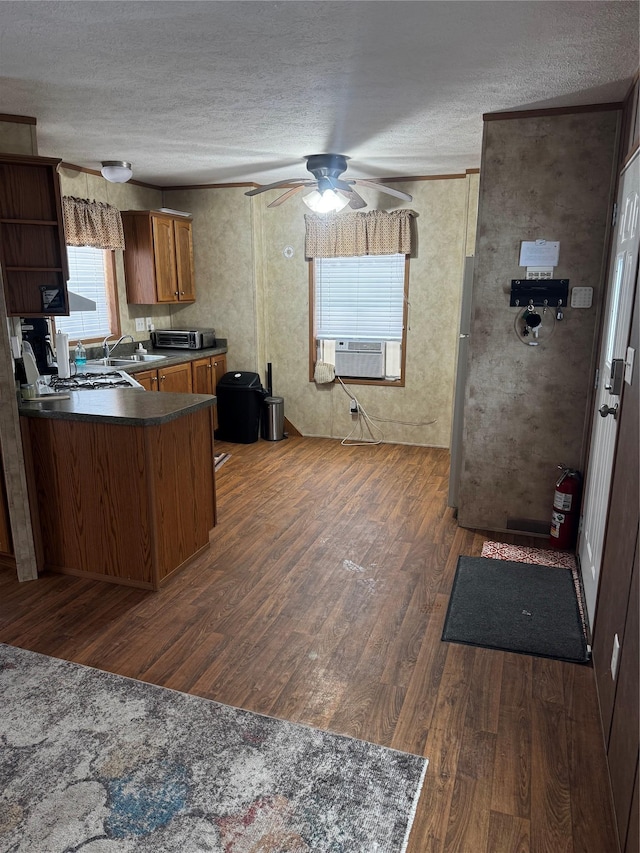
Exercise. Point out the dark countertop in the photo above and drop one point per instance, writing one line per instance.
(174, 356)
(125, 406)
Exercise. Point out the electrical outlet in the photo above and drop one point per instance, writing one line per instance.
(149, 323)
(139, 324)
(353, 407)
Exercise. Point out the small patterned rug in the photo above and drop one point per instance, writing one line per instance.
(97, 763)
(521, 554)
(539, 557)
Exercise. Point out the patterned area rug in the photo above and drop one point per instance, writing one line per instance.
(97, 763)
(540, 557)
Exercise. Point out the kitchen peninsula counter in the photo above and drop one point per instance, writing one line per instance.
(126, 406)
(121, 481)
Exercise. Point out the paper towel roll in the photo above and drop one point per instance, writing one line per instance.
(62, 355)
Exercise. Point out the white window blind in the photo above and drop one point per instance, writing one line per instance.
(359, 297)
(87, 278)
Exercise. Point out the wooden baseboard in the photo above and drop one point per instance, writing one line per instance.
(290, 429)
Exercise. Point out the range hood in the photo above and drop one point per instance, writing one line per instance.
(80, 303)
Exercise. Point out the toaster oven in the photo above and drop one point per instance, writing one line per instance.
(183, 338)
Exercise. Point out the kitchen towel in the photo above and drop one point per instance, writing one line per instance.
(62, 355)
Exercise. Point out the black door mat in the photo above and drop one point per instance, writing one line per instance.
(515, 607)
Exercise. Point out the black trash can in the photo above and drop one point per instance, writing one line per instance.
(240, 395)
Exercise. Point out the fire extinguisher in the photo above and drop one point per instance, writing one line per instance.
(566, 508)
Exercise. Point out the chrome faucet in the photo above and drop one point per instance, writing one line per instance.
(108, 351)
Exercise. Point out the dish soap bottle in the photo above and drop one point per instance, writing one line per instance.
(80, 354)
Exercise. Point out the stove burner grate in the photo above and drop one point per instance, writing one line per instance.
(89, 382)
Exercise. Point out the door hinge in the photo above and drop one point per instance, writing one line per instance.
(614, 217)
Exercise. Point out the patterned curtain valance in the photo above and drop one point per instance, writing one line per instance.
(347, 235)
(92, 223)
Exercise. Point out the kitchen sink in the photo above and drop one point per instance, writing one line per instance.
(122, 361)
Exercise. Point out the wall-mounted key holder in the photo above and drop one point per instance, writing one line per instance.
(533, 327)
(552, 292)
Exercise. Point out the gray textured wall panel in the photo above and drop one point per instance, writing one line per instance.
(547, 177)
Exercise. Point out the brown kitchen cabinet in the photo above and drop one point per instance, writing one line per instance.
(123, 490)
(33, 250)
(206, 373)
(158, 257)
(148, 379)
(177, 377)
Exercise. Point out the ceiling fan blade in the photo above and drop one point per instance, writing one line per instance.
(356, 202)
(374, 185)
(301, 181)
(337, 184)
(282, 198)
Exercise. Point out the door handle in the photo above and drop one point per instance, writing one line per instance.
(609, 410)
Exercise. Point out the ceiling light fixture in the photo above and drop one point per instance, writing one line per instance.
(328, 201)
(116, 171)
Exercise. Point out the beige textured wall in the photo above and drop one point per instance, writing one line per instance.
(258, 299)
(223, 258)
(124, 197)
(18, 137)
(526, 407)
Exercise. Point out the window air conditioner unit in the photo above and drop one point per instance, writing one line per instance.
(362, 359)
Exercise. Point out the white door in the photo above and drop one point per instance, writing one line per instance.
(617, 320)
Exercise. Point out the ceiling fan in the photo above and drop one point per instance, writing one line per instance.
(331, 193)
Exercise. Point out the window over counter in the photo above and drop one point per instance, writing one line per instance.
(358, 320)
(92, 275)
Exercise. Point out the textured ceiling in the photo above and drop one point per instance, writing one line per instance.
(219, 92)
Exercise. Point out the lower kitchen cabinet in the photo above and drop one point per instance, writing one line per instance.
(205, 375)
(148, 379)
(130, 503)
(174, 378)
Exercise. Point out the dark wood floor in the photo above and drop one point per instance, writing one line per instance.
(322, 601)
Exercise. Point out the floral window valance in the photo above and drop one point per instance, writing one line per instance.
(347, 235)
(92, 223)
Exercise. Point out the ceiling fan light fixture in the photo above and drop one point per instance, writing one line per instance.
(116, 171)
(328, 201)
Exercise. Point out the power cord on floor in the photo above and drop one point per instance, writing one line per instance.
(365, 423)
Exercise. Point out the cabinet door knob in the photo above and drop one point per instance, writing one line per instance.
(209, 366)
(176, 293)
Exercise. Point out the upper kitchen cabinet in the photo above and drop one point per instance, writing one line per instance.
(158, 257)
(33, 251)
